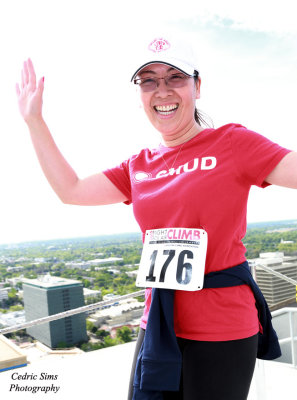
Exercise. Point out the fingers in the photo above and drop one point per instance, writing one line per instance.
(31, 73)
(25, 73)
(22, 79)
(29, 93)
(40, 86)
(28, 76)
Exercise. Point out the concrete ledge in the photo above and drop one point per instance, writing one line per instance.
(10, 355)
(104, 374)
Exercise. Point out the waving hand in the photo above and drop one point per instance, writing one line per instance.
(94, 190)
(29, 93)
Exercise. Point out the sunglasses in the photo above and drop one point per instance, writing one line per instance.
(172, 81)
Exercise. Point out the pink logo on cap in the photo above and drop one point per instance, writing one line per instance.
(158, 45)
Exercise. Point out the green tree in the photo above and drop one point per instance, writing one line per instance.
(124, 334)
(85, 347)
(17, 307)
(90, 326)
(61, 345)
(108, 341)
(101, 333)
(86, 283)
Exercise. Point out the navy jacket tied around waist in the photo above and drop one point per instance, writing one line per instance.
(159, 361)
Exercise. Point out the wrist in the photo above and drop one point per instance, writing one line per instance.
(34, 121)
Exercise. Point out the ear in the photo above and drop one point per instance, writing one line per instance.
(198, 84)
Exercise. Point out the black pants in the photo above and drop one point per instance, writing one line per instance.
(211, 370)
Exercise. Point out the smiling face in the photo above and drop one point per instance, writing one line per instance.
(171, 111)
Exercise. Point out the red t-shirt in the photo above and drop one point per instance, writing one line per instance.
(206, 186)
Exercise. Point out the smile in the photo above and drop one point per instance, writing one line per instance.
(166, 110)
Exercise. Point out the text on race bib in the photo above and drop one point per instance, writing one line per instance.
(173, 258)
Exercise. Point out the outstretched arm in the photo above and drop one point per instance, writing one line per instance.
(285, 173)
(94, 190)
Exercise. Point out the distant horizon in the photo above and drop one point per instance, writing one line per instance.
(249, 225)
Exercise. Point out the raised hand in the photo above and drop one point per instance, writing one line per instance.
(29, 93)
(94, 190)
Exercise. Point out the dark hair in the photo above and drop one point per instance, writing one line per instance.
(200, 117)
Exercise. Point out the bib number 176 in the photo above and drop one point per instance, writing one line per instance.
(183, 271)
(173, 258)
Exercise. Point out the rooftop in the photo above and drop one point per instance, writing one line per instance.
(48, 282)
(106, 373)
(12, 318)
(10, 354)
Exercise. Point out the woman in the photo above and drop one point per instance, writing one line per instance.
(197, 178)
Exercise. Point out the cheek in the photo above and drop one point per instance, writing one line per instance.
(189, 102)
(188, 94)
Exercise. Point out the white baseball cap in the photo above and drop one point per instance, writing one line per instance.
(173, 52)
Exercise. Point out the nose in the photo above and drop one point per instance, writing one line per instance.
(162, 89)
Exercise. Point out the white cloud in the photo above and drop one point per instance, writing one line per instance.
(255, 15)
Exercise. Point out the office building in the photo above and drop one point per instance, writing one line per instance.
(3, 294)
(48, 295)
(277, 291)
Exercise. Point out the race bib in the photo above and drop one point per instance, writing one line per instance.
(173, 258)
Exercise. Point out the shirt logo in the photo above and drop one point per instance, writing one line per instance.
(141, 176)
(204, 164)
(158, 45)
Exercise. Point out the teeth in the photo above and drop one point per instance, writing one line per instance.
(166, 108)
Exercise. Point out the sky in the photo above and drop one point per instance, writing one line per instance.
(87, 52)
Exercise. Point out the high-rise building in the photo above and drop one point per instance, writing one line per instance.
(3, 294)
(48, 295)
(276, 290)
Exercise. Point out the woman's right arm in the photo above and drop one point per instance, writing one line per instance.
(93, 190)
